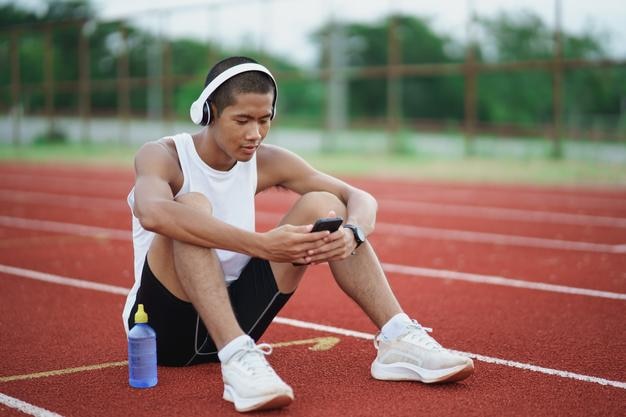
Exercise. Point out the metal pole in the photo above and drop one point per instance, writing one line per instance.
(84, 98)
(16, 105)
(48, 70)
(557, 81)
(336, 113)
(154, 64)
(169, 84)
(469, 71)
(123, 87)
(394, 97)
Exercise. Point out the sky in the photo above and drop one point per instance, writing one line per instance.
(285, 26)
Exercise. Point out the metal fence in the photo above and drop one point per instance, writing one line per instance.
(161, 83)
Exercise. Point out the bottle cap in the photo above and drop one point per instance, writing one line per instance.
(141, 316)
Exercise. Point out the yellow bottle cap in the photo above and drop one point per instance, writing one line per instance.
(141, 316)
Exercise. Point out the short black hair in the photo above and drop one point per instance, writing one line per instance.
(246, 82)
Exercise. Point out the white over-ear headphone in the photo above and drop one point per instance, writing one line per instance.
(200, 111)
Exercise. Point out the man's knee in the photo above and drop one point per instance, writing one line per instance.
(196, 200)
(319, 203)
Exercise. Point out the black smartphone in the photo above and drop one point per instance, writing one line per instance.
(327, 223)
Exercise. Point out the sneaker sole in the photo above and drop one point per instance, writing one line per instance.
(409, 372)
(264, 402)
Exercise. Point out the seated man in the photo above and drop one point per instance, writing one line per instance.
(212, 285)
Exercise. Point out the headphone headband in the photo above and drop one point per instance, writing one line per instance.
(196, 111)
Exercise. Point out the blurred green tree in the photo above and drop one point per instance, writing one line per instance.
(525, 97)
(422, 97)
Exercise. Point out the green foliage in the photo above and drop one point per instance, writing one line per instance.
(514, 37)
(593, 98)
(368, 45)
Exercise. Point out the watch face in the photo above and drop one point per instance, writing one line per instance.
(360, 234)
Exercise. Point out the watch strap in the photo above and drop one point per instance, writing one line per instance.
(359, 236)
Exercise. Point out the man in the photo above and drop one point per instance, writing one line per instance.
(212, 285)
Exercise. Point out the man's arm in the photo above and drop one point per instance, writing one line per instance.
(280, 167)
(158, 174)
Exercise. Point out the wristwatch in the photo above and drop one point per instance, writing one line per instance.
(359, 236)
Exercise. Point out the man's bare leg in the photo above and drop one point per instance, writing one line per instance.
(193, 273)
(360, 276)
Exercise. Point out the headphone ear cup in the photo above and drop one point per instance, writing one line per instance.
(206, 114)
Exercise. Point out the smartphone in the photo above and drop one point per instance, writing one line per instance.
(327, 223)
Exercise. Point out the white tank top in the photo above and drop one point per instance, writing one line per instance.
(231, 194)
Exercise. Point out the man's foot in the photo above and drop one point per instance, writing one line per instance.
(415, 356)
(251, 383)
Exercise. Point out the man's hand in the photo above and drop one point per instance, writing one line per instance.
(295, 244)
(337, 246)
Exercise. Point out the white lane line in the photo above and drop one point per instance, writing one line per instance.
(573, 198)
(499, 213)
(496, 280)
(389, 228)
(57, 279)
(25, 407)
(405, 230)
(527, 198)
(481, 237)
(497, 239)
(25, 273)
(52, 181)
(66, 228)
(415, 207)
(482, 358)
(61, 200)
(117, 234)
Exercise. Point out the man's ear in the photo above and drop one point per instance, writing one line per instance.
(213, 111)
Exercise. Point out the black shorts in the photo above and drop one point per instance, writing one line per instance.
(182, 338)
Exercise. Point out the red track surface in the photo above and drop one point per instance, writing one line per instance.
(52, 326)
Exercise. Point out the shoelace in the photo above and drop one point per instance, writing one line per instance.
(417, 334)
(254, 359)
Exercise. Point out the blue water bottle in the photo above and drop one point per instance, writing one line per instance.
(142, 359)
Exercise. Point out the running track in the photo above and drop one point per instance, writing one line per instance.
(529, 281)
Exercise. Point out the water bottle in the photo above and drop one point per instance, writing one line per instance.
(142, 359)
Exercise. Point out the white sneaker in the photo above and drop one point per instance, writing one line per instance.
(415, 356)
(251, 383)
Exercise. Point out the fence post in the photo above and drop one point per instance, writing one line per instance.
(48, 70)
(394, 90)
(16, 105)
(336, 113)
(123, 87)
(470, 75)
(84, 98)
(557, 81)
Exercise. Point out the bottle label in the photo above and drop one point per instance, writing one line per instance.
(142, 359)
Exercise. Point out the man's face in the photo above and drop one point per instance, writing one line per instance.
(242, 126)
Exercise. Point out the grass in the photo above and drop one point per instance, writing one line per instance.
(474, 169)
(416, 167)
(73, 153)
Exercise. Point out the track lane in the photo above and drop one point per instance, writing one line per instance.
(319, 379)
(469, 316)
(601, 271)
(513, 389)
(116, 214)
(608, 203)
(575, 333)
